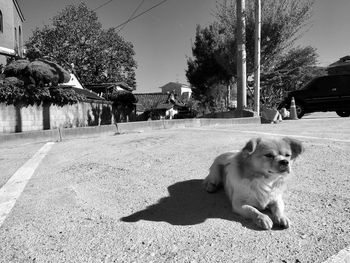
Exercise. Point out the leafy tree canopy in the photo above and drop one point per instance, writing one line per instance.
(214, 60)
(76, 36)
(282, 23)
(205, 70)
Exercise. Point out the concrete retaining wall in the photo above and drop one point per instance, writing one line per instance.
(66, 133)
(35, 118)
(183, 123)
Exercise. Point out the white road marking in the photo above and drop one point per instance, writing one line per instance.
(12, 190)
(342, 257)
(277, 134)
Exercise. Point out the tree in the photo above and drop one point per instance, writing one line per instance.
(292, 70)
(123, 104)
(27, 83)
(207, 71)
(282, 24)
(76, 36)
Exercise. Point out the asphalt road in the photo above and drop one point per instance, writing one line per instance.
(138, 198)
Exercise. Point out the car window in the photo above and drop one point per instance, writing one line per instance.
(324, 84)
(343, 80)
(316, 84)
(343, 84)
(329, 82)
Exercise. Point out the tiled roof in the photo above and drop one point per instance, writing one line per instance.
(102, 87)
(87, 93)
(147, 101)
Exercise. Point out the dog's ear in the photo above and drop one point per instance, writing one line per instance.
(250, 147)
(296, 146)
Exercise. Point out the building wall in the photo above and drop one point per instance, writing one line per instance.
(18, 39)
(7, 36)
(11, 20)
(31, 118)
(187, 91)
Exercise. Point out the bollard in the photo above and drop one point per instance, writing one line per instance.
(59, 134)
(293, 110)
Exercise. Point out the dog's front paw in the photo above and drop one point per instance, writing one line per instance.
(210, 187)
(282, 221)
(263, 221)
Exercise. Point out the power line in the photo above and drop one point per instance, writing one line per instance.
(142, 13)
(130, 17)
(102, 5)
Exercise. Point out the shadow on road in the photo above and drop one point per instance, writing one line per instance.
(189, 204)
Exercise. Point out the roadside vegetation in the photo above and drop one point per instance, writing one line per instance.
(285, 66)
(25, 83)
(76, 41)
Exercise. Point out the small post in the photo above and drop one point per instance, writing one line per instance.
(59, 134)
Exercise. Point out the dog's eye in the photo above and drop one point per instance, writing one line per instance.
(269, 155)
(287, 155)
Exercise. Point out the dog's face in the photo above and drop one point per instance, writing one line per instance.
(271, 157)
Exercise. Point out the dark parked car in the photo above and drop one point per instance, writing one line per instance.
(326, 93)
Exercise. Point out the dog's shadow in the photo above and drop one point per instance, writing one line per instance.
(188, 204)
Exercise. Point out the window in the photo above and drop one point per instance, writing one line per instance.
(1, 23)
(16, 43)
(20, 40)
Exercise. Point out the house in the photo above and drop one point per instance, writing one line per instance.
(165, 104)
(88, 94)
(74, 82)
(11, 30)
(108, 88)
(182, 90)
(158, 105)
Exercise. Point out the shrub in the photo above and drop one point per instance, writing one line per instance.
(26, 83)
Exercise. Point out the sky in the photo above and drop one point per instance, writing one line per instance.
(163, 37)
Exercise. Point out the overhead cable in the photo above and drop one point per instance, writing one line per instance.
(131, 16)
(142, 13)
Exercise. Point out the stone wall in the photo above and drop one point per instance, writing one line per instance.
(45, 117)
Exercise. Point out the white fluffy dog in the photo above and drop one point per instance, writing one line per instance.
(254, 178)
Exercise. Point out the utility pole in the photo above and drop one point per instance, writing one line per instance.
(228, 98)
(257, 57)
(241, 56)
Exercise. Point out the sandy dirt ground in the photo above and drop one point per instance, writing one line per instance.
(138, 197)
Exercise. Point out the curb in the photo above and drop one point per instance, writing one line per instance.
(183, 123)
(125, 127)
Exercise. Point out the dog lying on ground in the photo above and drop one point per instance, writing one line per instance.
(254, 179)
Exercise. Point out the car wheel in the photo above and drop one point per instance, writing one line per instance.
(343, 113)
(300, 110)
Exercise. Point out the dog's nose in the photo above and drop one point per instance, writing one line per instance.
(284, 162)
